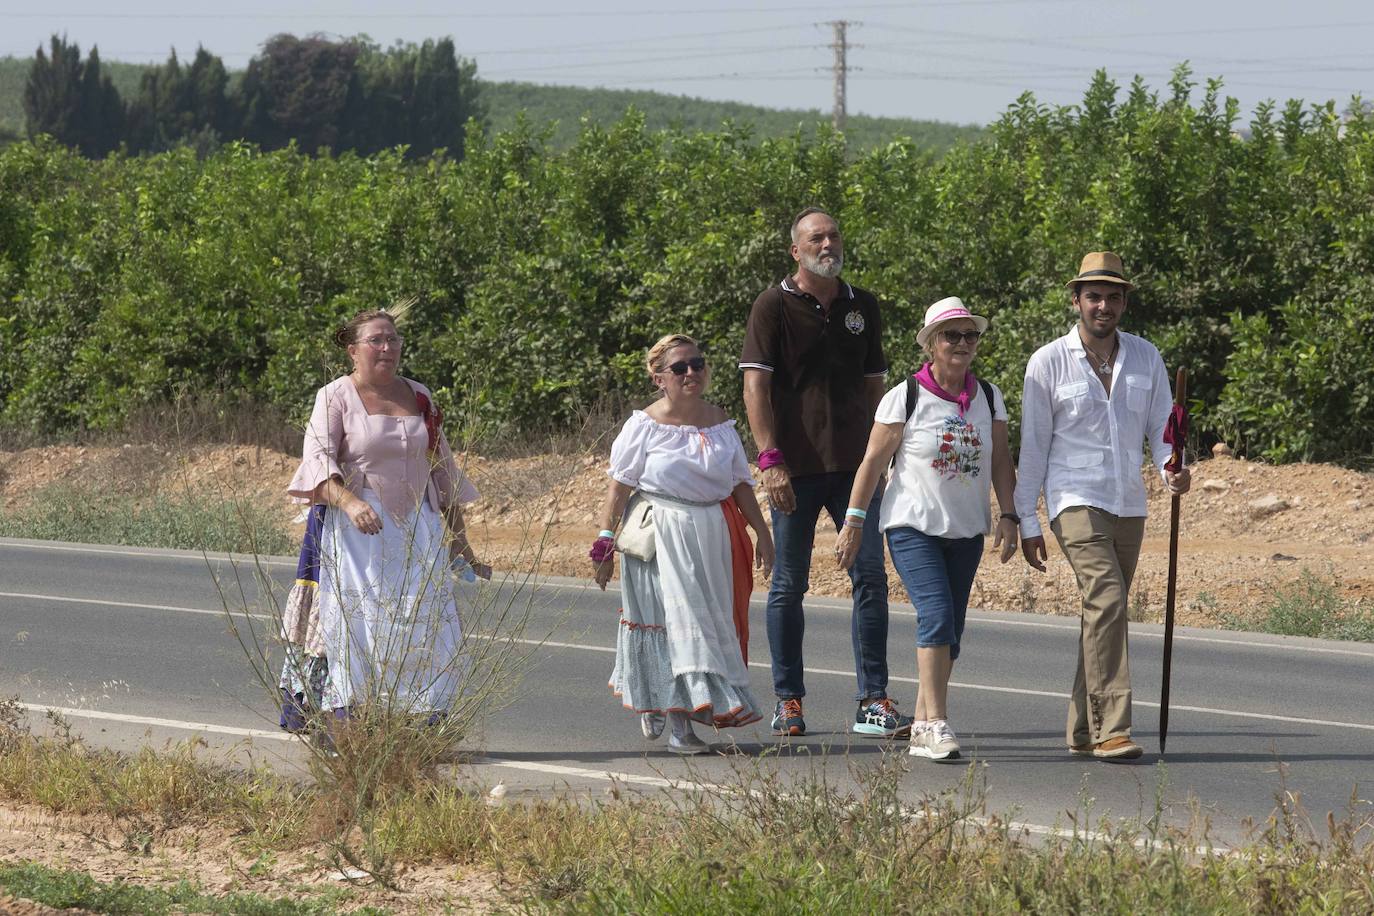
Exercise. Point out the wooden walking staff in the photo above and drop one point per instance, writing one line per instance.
(1175, 434)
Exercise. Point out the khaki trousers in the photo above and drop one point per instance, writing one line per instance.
(1103, 550)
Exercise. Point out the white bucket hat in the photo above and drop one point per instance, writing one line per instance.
(946, 310)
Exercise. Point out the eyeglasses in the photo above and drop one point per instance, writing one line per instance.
(953, 337)
(696, 363)
(378, 341)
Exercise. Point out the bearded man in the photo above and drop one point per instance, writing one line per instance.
(814, 372)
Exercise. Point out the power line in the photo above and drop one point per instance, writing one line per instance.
(723, 52)
(557, 14)
(1061, 46)
(1232, 30)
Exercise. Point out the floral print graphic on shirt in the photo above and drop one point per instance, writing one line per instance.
(960, 450)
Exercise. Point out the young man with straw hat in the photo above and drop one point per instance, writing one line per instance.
(1091, 400)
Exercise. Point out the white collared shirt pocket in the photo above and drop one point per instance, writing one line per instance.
(1071, 395)
(1090, 458)
(1137, 391)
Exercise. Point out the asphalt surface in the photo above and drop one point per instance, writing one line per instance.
(135, 646)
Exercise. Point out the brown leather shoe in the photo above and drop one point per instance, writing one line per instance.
(1081, 750)
(1119, 748)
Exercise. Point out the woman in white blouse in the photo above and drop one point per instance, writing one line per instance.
(948, 431)
(683, 636)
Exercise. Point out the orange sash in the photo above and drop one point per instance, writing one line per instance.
(742, 566)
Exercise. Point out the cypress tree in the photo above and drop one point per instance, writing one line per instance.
(73, 100)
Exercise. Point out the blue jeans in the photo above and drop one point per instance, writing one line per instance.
(793, 537)
(938, 575)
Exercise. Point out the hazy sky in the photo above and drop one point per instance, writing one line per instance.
(954, 60)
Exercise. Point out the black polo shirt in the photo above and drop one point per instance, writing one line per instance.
(819, 364)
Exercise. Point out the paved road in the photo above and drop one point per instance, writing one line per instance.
(134, 642)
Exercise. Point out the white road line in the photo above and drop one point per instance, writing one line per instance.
(73, 713)
(61, 599)
(551, 769)
(689, 785)
(1020, 691)
(151, 553)
(979, 618)
(556, 769)
(1178, 637)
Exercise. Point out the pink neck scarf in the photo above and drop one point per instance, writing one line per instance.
(926, 378)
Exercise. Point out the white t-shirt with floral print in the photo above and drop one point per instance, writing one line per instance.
(942, 482)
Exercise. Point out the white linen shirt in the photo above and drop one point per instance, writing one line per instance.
(1081, 447)
(698, 464)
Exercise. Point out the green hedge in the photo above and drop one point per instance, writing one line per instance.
(543, 274)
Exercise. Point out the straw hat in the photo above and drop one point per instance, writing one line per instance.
(946, 310)
(1101, 267)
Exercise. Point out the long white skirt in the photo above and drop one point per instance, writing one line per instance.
(677, 650)
(389, 613)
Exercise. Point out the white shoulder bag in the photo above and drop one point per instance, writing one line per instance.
(636, 537)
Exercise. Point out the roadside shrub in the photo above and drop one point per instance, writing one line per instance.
(542, 272)
(92, 516)
(1310, 606)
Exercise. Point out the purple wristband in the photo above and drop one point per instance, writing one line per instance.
(770, 457)
(602, 550)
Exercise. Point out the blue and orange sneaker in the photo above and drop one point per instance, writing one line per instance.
(787, 718)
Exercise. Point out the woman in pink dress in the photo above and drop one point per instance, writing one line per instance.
(387, 604)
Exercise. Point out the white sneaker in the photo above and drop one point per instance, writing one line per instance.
(935, 742)
(651, 724)
(688, 744)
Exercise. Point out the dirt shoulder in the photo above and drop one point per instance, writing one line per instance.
(215, 860)
(1246, 528)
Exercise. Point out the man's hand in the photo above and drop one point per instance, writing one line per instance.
(1033, 549)
(1007, 531)
(777, 483)
(1178, 483)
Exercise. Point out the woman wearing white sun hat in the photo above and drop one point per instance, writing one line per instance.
(948, 433)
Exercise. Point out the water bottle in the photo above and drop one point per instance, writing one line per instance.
(463, 569)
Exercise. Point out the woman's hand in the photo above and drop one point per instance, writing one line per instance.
(603, 571)
(763, 552)
(459, 549)
(1007, 531)
(847, 547)
(363, 516)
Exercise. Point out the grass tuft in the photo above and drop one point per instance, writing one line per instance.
(1311, 606)
(762, 842)
(67, 889)
(145, 794)
(67, 512)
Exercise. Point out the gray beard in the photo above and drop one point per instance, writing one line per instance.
(828, 269)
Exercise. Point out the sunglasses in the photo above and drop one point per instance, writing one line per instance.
(697, 363)
(953, 337)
